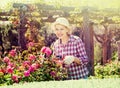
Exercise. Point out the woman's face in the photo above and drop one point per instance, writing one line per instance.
(61, 31)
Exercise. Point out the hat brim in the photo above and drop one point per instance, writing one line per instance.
(56, 23)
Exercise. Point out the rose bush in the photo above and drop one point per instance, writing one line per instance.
(30, 65)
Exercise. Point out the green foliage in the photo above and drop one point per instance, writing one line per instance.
(76, 17)
(97, 53)
(110, 70)
(114, 55)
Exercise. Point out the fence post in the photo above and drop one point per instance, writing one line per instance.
(22, 28)
(88, 40)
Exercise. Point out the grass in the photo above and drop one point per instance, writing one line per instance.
(83, 83)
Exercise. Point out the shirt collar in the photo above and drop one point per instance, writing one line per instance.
(69, 40)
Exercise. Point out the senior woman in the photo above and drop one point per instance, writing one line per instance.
(71, 49)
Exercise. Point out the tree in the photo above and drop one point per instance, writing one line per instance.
(106, 39)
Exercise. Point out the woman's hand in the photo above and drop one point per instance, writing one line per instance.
(70, 59)
(76, 60)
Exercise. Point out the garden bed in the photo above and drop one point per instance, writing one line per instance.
(83, 83)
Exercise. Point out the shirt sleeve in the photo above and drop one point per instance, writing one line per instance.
(81, 52)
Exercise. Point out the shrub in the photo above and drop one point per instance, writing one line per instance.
(110, 70)
(30, 65)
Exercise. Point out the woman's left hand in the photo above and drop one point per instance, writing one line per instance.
(76, 60)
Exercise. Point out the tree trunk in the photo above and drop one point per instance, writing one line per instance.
(118, 50)
(88, 40)
(104, 59)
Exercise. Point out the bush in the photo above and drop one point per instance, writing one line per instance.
(29, 66)
(110, 70)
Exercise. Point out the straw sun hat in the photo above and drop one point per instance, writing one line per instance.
(62, 21)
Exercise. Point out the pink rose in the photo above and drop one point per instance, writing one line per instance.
(53, 73)
(6, 59)
(15, 78)
(12, 53)
(32, 68)
(11, 64)
(26, 63)
(43, 49)
(32, 57)
(34, 65)
(9, 70)
(47, 51)
(27, 73)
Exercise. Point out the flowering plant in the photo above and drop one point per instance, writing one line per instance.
(30, 65)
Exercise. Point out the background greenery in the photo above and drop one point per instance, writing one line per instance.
(76, 3)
